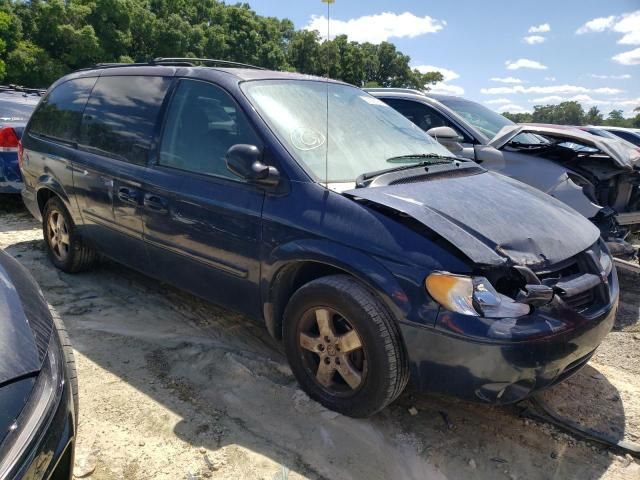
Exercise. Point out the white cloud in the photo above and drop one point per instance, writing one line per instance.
(377, 28)
(549, 90)
(588, 100)
(512, 108)
(549, 99)
(447, 74)
(626, 76)
(599, 24)
(498, 101)
(524, 63)
(506, 80)
(550, 79)
(533, 39)
(632, 57)
(544, 28)
(629, 25)
(632, 102)
(446, 89)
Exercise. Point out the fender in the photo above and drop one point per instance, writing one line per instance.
(50, 183)
(353, 262)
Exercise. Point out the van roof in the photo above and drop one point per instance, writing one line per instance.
(186, 65)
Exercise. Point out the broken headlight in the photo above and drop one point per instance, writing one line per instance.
(472, 296)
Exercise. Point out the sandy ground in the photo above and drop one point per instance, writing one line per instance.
(174, 388)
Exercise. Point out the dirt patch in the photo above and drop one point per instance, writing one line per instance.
(174, 388)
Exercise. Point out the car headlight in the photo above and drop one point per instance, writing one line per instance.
(472, 296)
(27, 428)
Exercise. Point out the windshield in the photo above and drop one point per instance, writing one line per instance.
(13, 111)
(482, 118)
(364, 133)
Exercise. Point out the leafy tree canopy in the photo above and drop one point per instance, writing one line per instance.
(572, 113)
(43, 39)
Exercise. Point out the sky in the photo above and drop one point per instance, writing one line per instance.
(509, 55)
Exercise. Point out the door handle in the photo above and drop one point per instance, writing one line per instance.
(128, 195)
(155, 203)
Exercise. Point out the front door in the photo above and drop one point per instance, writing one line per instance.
(203, 224)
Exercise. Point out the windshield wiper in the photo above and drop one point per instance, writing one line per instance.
(408, 166)
(406, 158)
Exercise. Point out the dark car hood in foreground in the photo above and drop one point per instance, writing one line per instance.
(490, 218)
(25, 322)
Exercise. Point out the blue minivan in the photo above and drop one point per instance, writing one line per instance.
(315, 208)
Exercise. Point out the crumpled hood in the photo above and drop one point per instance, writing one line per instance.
(619, 152)
(21, 340)
(492, 219)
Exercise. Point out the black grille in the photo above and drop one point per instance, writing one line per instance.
(581, 301)
(586, 262)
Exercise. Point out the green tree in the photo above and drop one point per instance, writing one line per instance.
(31, 65)
(616, 118)
(593, 116)
(304, 52)
(525, 117)
(569, 113)
(41, 39)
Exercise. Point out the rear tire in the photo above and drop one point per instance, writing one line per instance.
(65, 247)
(344, 347)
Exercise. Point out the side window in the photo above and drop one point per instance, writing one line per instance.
(422, 115)
(58, 115)
(203, 122)
(121, 116)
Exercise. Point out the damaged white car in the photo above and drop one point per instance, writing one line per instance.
(598, 177)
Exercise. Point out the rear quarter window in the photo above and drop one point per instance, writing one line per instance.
(58, 115)
(121, 116)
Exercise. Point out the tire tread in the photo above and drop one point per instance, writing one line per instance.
(386, 330)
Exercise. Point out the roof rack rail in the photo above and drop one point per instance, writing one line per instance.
(190, 62)
(394, 90)
(17, 88)
(115, 64)
(174, 62)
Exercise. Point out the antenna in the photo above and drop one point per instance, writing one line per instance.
(326, 160)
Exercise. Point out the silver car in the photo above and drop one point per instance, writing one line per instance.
(599, 177)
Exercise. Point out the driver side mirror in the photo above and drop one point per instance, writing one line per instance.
(245, 161)
(447, 137)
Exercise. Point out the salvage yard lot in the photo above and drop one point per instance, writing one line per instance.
(172, 387)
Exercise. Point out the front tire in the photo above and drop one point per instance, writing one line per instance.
(70, 362)
(66, 249)
(344, 347)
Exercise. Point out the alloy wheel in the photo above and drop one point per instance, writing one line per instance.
(333, 353)
(58, 235)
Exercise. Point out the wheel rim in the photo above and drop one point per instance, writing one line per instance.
(58, 235)
(333, 353)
